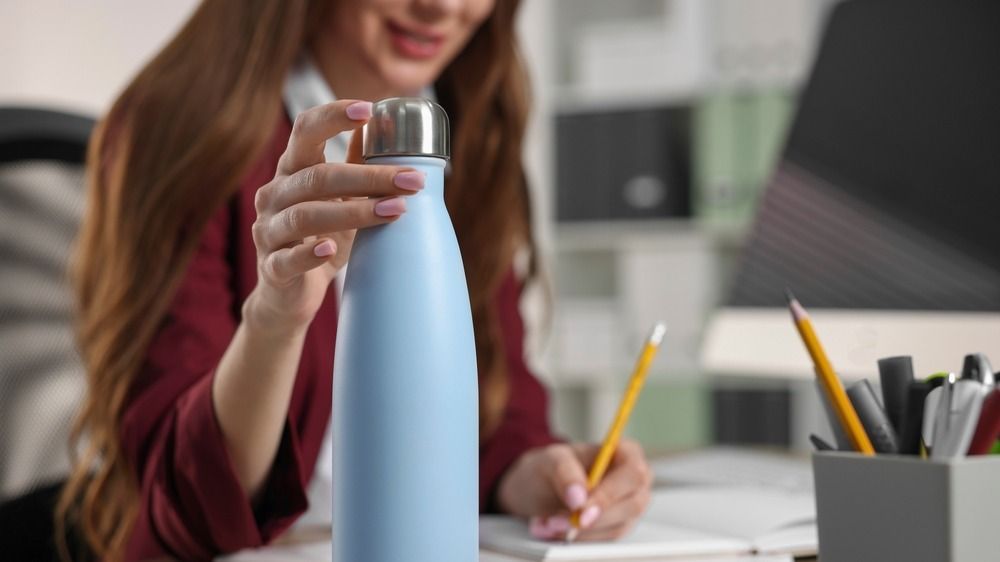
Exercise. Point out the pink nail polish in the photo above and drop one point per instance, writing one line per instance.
(558, 524)
(390, 207)
(589, 515)
(359, 110)
(325, 249)
(412, 181)
(538, 529)
(576, 496)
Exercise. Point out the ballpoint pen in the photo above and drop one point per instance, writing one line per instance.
(988, 426)
(956, 417)
(976, 366)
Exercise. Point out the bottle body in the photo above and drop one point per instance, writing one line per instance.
(405, 398)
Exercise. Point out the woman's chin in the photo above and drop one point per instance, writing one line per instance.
(407, 78)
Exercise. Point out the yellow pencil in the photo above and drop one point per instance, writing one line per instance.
(614, 434)
(832, 386)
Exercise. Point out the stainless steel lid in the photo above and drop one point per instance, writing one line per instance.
(407, 127)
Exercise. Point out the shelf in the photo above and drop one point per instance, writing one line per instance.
(644, 234)
(580, 99)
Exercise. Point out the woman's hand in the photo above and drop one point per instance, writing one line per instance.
(547, 484)
(307, 215)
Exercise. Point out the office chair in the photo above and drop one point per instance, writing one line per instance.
(41, 376)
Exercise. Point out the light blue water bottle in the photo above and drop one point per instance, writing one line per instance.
(405, 390)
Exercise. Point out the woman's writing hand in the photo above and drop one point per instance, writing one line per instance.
(547, 484)
(307, 215)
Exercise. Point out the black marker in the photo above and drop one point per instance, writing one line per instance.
(895, 374)
(913, 418)
(873, 417)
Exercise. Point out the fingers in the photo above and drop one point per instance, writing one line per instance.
(322, 182)
(314, 126)
(617, 519)
(283, 266)
(568, 476)
(620, 498)
(628, 473)
(314, 218)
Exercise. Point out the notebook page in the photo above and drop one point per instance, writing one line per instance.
(647, 540)
(773, 519)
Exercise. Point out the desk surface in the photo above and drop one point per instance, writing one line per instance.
(319, 551)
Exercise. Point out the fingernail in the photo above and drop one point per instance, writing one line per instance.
(589, 515)
(413, 181)
(538, 529)
(557, 524)
(576, 496)
(359, 110)
(390, 207)
(325, 249)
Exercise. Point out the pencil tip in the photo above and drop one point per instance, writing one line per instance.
(571, 535)
(798, 312)
(789, 296)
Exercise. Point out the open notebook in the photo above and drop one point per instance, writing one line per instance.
(682, 522)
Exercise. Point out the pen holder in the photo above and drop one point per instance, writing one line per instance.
(889, 507)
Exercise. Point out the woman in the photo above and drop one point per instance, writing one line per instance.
(206, 266)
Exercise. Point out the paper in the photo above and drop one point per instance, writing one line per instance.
(748, 513)
(509, 535)
(682, 522)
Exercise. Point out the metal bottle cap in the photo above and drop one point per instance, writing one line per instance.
(407, 127)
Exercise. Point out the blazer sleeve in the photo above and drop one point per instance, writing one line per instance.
(525, 420)
(191, 503)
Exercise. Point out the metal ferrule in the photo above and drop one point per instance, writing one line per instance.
(407, 127)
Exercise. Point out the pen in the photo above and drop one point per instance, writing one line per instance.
(977, 367)
(956, 417)
(933, 408)
(988, 427)
(834, 390)
(614, 434)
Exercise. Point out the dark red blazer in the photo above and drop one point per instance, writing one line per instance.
(191, 504)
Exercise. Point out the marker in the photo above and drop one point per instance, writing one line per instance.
(913, 417)
(873, 417)
(895, 374)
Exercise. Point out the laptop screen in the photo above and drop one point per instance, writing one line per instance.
(888, 192)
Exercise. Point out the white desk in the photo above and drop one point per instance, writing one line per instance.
(319, 552)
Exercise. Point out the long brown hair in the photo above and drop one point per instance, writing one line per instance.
(172, 150)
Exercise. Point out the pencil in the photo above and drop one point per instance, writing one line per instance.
(832, 386)
(614, 434)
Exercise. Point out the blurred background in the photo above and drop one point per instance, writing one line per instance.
(657, 125)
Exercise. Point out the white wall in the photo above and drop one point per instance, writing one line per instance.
(77, 54)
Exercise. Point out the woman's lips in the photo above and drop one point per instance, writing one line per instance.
(415, 44)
